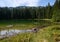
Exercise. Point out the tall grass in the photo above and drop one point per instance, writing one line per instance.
(47, 34)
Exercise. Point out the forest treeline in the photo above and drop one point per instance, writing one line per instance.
(24, 12)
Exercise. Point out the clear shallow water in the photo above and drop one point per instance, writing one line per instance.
(8, 33)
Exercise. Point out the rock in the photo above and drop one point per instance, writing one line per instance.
(34, 29)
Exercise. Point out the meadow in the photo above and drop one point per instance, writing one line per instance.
(44, 19)
(51, 33)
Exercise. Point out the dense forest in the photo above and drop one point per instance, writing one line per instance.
(24, 12)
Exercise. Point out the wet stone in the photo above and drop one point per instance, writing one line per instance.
(34, 29)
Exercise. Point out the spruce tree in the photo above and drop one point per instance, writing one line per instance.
(56, 12)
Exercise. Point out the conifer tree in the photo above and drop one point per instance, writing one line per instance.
(56, 12)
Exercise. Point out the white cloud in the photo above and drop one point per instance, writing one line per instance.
(2, 3)
(14, 3)
(30, 2)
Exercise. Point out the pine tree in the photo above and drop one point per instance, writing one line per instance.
(56, 11)
(48, 11)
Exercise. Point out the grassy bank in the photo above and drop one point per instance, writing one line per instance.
(47, 34)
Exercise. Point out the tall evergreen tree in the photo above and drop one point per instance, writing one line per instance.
(56, 11)
(48, 11)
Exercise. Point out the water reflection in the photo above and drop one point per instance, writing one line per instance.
(7, 33)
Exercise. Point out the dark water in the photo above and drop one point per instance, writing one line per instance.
(22, 22)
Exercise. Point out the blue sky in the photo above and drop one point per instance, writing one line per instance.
(14, 3)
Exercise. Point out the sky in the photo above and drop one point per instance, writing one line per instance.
(15, 3)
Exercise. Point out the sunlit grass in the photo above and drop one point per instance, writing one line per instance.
(47, 34)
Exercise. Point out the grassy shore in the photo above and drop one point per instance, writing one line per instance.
(47, 34)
